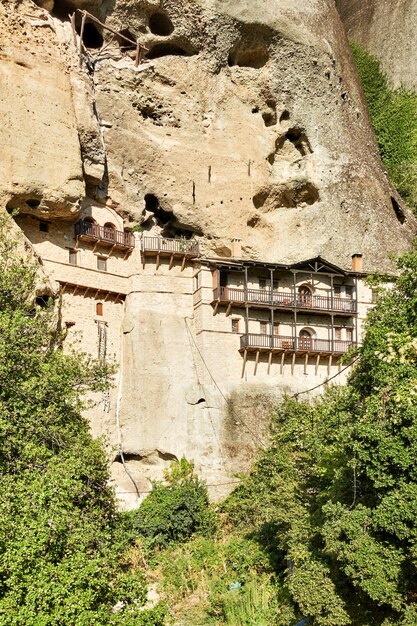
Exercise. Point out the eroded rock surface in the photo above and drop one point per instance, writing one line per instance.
(388, 31)
(246, 121)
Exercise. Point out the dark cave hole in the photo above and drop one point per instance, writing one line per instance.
(125, 45)
(285, 116)
(33, 203)
(201, 401)
(399, 213)
(248, 57)
(152, 205)
(160, 24)
(166, 49)
(62, 10)
(92, 38)
(43, 301)
(299, 140)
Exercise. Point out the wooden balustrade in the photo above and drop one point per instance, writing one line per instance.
(284, 299)
(302, 345)
(105, 235)
(161, 245)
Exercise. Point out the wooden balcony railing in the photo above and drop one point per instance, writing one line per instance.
(87, 231)
(301, 345)
(164, 245)
(284, 299)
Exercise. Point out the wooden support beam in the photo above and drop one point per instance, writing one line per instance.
(317, 363)
(143, 260)
(269, 362)
(171, 261)
(106, 296)
(84, 17)
(158, 261)
(183, 263)
(86, 290)
(228, 310)
(75, 290)
(293, 363)
(245, 356)
(216, 306)
(282, 362)
(329, 364)
(63, 287)
(305, 363)
(256, 363)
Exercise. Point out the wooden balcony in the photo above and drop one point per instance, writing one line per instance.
(102, 235)
(286, 300)
(167, 247)
(293, 345)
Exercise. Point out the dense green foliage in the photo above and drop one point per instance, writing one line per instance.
(175, 511)
(335, 496)
(394, 118)
(61, 554)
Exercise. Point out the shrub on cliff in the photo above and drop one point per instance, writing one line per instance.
(393, 114)
(61, 557)
(177, 510)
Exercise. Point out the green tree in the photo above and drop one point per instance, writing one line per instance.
(61, 554)
(335, 495)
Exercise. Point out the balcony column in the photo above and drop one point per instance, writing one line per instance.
(271, 287)
(245, 289)
(294, 274)
(331, 292)
(332, 332)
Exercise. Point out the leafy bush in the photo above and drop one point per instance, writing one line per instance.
(176, 511)
(58, 564)
(394, 118)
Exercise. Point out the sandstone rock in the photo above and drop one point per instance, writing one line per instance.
(41, 168)
(246, 120)
(388, 31)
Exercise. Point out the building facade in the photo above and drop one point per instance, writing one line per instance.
(204, 346)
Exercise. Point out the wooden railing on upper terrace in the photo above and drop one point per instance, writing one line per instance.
(302, 345)
(284, 299)
(164, 245)
(88, 231)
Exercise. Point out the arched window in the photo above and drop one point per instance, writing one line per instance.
(89, 226)
(109, 232)
(99, 308)
(304, 295)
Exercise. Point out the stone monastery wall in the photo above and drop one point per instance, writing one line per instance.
(203, 346)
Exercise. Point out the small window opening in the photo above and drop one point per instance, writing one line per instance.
(160, 24)
(102, 263)
(44, 227)
(73, 257)
(99, 308)
(235, 325)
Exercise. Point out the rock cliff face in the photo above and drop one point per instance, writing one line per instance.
(243, 120)
(388, 31)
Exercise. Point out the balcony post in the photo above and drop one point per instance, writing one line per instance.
(271, 286)
(331, 292)
(245, 289)
(332, 333)
(295, 308)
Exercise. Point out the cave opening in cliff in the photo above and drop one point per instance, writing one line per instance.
(298, 138)
(160, 24)
(152, 205)
(165, 50)
(92, 38)
(62, 10)
(255, 58)
(399, 213)
(125, 46)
